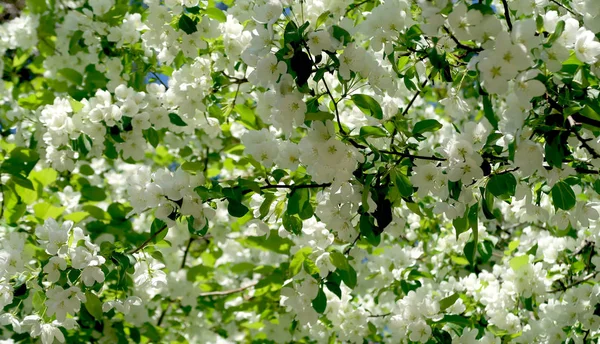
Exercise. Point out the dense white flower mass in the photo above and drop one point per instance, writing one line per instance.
(317, 171)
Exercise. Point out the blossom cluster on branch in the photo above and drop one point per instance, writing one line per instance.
(312, 171)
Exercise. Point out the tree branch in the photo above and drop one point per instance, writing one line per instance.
(227, 292)
(159, 80)
(187, 250)
(410, 103)
(412, 156)
(585, 279)
(349, 248)
(507, 15)
(145, 243)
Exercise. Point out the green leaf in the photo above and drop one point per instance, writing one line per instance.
(151, 136)
(339, 260)
(72, 75)
(265, 207)
(236, 208)
(320, 302)
(448, 301)
(560, 27)
(46, 176)
(13, 214)
(93, 193)
(176, 120)
(368, 105)
(216, 14)
(368, 131)
(426, 125)
(292, 223)
(46, 210)
(318, 116)
(93, 305)
(488, 112)
(298, 260)
(341, 35)
(322, 18)
(563, 196)
(310, 267)
(485, 249)
(517, 262)
(187, 24)
(158, 225)
(455, 319)
(334, 287)
(502, 185)
(470, 252)
(461, 224)
(349, 277)
(77, 216)
(74, 46)
(404, 185)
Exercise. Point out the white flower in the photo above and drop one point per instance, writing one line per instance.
(54, 236)
(587, 48)
(52, 269)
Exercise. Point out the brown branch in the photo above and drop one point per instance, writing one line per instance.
(507, 15)
(347, 250)
(380, 315)
(187, 250)
(159, 80)
(410, 103)
(564, 288)
(145, 243)
(227, 292)
(459, 44)
(412, 156)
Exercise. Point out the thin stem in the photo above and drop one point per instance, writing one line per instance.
(234, 79)
(145, 243)
(410, 104)
(187, 250)
(159, 80)
(294, 186)
(566, 8)
(164, 312)
(585, 279)
(227, 292)
(380, 315)
(352, 7)
(507, 15)
(412, 156)
(349, 248)
(459, 44)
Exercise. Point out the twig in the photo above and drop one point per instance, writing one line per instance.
(459, 44)
(159, 80)
(412, 156)
(585, 145)
(347, 250)
(187, 250)
(294, 186)
(227, 292)
(507, 15)
(235, 80)
(506, 171)
(145, 243)
(380, 315)
(164, 312)
(352, 7)
(566, 8)
(410, 103)
(585, 279)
